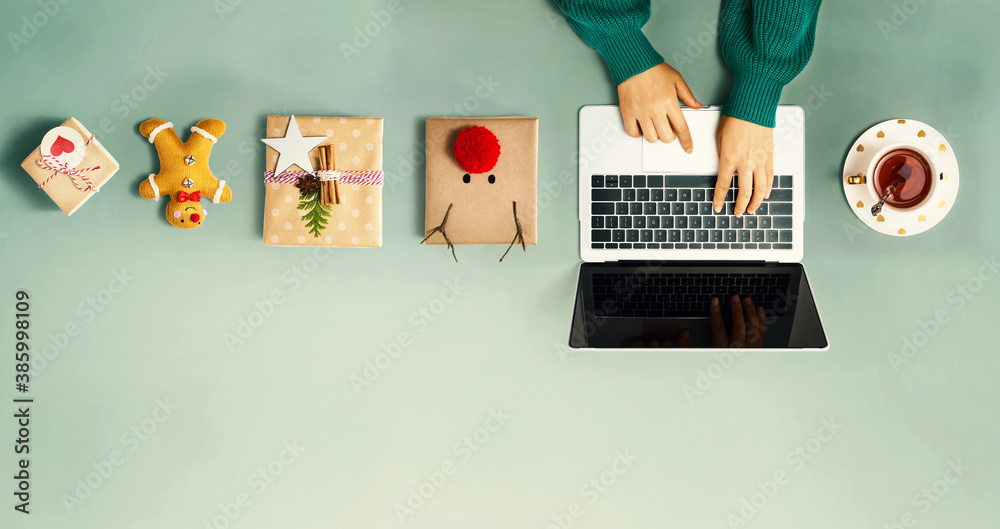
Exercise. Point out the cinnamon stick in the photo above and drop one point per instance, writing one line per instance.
(323, 199)
(332, 163)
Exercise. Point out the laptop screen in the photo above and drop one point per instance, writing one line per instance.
(660, 304)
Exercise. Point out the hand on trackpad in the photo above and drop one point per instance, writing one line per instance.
(670, 158)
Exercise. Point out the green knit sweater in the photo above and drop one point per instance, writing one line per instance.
(765, 43)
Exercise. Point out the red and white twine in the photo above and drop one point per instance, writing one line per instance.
(361, 178)
(51, 163)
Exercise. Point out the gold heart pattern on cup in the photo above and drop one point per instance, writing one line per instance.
(860, 204)
(880, 218)
(922, 218)
(861, 148)
(880, 134)
(901, 231)
(921, 134)
(942, 148)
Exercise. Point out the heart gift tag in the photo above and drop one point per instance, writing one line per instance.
(65, 145)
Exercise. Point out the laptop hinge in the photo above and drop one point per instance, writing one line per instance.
(758, 262)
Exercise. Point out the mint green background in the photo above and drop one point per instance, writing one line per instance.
(499, 343)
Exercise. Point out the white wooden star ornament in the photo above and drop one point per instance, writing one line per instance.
(293, 149)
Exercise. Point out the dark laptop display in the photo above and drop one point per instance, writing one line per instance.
(663, 304)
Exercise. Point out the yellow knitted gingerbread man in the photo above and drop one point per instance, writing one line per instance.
(184, 173)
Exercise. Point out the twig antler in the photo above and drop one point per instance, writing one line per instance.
(440, 228)
(518, 235)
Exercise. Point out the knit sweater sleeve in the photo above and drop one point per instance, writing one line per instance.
(614, 29)
(765, 43)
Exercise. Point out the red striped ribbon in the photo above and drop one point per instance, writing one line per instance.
(361, 178)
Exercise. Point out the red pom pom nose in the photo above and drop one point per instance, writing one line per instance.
(195, 217)
(476, 149)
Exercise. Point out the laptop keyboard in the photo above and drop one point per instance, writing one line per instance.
(675, 212)
(665, 295)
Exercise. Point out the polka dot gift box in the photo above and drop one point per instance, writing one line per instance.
(323, 182)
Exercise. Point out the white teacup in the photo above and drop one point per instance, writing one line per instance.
(890, 155)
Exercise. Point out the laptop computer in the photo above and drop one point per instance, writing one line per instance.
(655, 253)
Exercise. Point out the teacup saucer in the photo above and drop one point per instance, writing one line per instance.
(922, 137)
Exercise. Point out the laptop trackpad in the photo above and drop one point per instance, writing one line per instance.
(670, 158)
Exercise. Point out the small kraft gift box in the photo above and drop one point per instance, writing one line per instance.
(323, 182)
(481, 181)
(70, 165)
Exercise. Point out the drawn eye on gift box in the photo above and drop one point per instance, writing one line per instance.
(468, 179)
(65, 145)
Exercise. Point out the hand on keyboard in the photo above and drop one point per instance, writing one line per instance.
(648, 102)
(746, 149)
(748, 324)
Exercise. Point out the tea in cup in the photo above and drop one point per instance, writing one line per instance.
(904, 172)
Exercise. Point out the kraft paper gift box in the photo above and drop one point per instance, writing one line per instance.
(482, 192)
(70, 165)
(292, 218)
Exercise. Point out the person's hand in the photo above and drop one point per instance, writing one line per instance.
(748, 149)
(748, 324)
(682, 341)
(648, 102)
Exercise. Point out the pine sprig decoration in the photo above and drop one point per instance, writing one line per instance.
(317, 215)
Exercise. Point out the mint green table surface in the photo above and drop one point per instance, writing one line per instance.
(153, 415)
